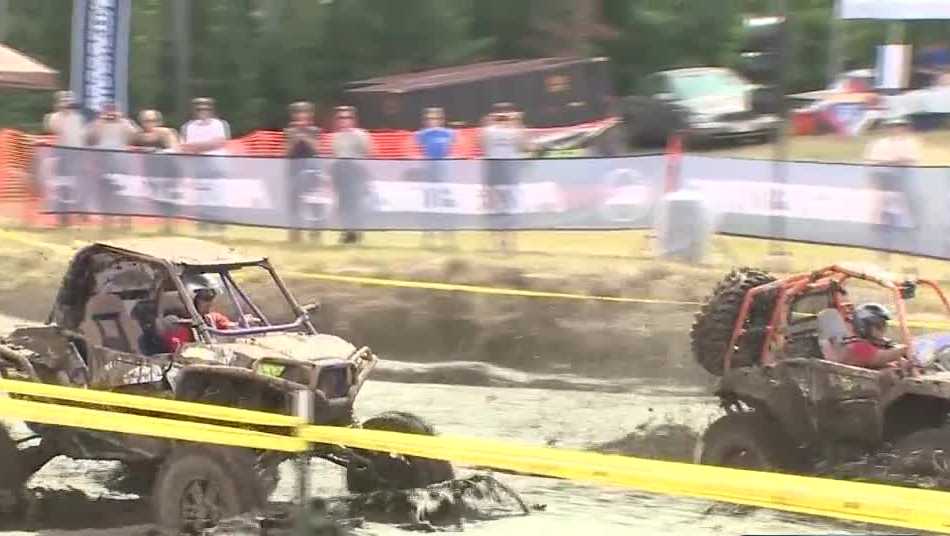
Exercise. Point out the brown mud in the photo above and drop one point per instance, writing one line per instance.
(588, 338)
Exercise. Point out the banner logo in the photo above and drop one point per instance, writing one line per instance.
(100, 40)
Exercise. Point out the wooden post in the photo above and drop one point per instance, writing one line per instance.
(303, 408)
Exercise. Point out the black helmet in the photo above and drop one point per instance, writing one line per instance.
(868, 316)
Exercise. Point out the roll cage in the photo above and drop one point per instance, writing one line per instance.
(159, 271)
(783, 292)
(235, 295)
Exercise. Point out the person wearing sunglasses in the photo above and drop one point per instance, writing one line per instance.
(350, 144)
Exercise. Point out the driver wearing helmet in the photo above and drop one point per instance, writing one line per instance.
(204, 299)
(870, 348)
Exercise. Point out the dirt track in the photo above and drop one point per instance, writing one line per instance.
(587, 338)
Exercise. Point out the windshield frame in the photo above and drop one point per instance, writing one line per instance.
(234, 294)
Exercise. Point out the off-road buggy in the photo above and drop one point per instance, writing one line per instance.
(106, 332)
(789, 405)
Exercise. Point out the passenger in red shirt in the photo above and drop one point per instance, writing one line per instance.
(177, 335)
(871, 349)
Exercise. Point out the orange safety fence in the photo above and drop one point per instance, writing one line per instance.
(16, 151)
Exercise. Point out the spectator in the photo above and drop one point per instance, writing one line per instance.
(162, 171)
(891, 155)
(206, 134)
(110, 132)
(67, 126)
(349, 176)
(302, 147)
(503, 142)
(436, 143)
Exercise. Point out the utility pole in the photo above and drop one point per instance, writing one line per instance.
(4, 19)
(181, 45)
(778, 202)
(835, 45)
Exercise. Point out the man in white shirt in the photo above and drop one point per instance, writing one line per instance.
(892, 156)
(205, 135)
(112, 133)
(66, 123)
(503, 142)
(350, 144)
(897, 147)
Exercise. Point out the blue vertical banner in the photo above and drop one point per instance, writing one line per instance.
(100, 53)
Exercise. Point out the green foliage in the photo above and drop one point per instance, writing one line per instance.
(256, 56)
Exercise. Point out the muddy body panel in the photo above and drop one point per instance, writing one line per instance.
(819, 402)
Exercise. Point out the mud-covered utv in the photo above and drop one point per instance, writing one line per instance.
(791, 405)
(126, 320)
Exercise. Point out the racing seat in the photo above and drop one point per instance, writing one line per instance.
(832, 332)
(107, 323)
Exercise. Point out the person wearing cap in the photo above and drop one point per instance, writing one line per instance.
(892, 156)
(112, 132)
(66, 121)
(302, 139)
(350, 144)
(161, 170)
(205, 134)
(436, 143)
(67, 125)
(503, 141)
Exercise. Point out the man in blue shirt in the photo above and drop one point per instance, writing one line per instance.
(436, 143)
(435, 140)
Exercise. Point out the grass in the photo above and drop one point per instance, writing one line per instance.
(556, 253)
(834, 148)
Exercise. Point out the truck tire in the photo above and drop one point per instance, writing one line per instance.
(401, 472)
(713, 325)
(746, 441)
(198, 486)
(649, 122)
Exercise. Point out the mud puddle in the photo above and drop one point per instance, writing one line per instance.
(659, 424)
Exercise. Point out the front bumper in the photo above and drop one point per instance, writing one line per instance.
(758, 126)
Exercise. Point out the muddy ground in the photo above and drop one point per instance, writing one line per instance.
(594, 339)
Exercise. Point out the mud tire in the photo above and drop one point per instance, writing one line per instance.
(713, 325)
(746, 441)
(401, 472)
(924, 453)
(12, 477)
(219, 481)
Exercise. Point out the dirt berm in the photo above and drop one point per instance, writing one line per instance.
(589, 338)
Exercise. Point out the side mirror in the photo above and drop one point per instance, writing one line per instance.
(908, 290)
(311, 308)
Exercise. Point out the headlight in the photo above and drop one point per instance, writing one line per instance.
(701, 119)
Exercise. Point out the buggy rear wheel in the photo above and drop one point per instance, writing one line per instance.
(715, 322)
(199, 486)
(746, 441)
(397, 471)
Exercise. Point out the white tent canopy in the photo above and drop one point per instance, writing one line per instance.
(895, 9)
(20, 71)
